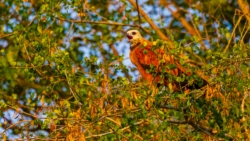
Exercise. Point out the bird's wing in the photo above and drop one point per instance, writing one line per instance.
(146, 57)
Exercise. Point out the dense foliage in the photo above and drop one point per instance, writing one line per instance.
(63, 72)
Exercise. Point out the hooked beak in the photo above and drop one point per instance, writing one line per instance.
(129, 36)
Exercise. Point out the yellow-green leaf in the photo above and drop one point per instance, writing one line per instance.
(154, 43)
(170, 86)
(39, 29)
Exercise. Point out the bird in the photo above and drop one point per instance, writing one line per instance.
(145, 58)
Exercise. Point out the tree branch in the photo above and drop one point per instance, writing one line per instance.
(19, 122)
(186, 25)
(197, 126)
(245, 7)
(238, 22)
(98, 22)
(201, 128)
(139, 17)
(177, 121)
(111, 132)
(169, 107)
(151, 23)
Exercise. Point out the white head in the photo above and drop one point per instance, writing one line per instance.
(134, 37)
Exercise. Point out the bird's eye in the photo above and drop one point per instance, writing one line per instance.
(133, 33)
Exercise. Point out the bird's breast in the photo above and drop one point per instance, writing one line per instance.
(133, 57)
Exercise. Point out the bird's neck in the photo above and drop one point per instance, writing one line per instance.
(135, 43)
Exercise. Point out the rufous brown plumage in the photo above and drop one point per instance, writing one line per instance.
(142, 56)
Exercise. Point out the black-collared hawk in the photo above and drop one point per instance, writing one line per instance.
(143, 57)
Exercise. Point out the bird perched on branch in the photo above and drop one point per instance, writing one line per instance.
(145, 58)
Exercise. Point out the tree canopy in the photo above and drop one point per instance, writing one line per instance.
(65, 72)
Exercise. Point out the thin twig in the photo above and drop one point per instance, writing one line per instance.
(201, 128)
(111, 132)
(71, 27)
(246, 31)
(238, 22)
(177, 121)
(151, 23)
(24, 113)
(6, 35)
(191, 29)
(14, 125)
(31, 21)
(139, 17)
(170, 107)
(73, 93)
(50, 24)
(99, 22)
(198, 34)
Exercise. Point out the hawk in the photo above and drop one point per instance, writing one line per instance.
(144, 58)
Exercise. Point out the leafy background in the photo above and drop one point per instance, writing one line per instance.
(65, 72)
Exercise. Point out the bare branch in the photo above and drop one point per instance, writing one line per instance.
(19, 122)
(50, 24)
(99, 22)
(32, 21)
(147, 18)
(236, 25)
(71, 90)
(111, 132)
(177, 121)
(245, 7)
(71, 27)
(201, 128)
(169, 107)
(139, 17)
(186, 25)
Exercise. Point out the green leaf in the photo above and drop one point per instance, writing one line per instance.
(178, 79)
(161, 112)
(39, 29)
(42, 8)
(181, 61)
